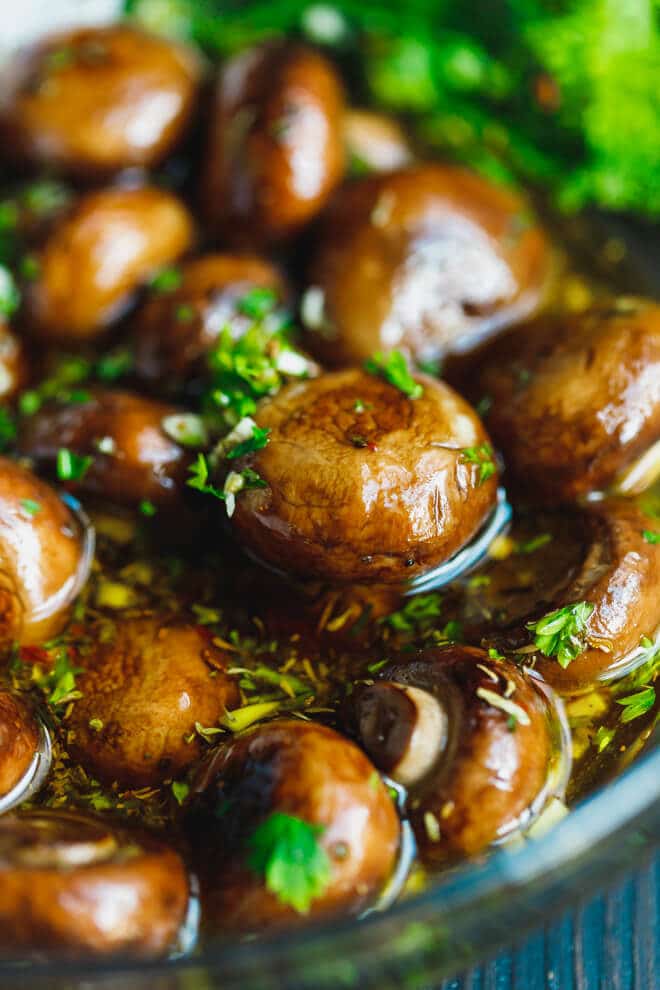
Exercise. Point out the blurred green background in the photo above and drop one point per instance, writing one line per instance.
(563, 94)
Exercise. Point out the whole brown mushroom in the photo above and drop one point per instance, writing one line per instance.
(574, 400)
(45, 556)
(175, 330)
(98, 255)
(93, 101)
(319, 778)
(471, 738)
(430, 259)
(143, 692)
(132, 456)
(19, 741)
(72, 885)
(362, 482)
(276, 147)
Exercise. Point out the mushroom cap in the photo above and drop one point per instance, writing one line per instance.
(382, 494)
(93, 101)
(430, 259)
(19, 739)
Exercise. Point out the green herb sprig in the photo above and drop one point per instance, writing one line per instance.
(562, 633)
(393, 367)
(286, 852)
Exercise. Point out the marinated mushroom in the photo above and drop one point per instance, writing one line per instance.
(619, 579)
(175, 329)
(127, 453)
(430, 259)
(575, 400)
(19, 741)
(470, 737)
(362, 482)
(143, 691)
(74, 885)
(45, 555)
(324, 783)
(98, 255)
(13, 363)
(93, 101)
(375, 142)
(276, 147)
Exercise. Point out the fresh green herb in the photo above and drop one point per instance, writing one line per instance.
(483, 456)
(7, 428)
(358, 441)
(29, 402)
(530, 546)
(359, 406)
(147, 508)
(184, 313)
(71, 466)
(562, 633)
(199, 478)
(651, 536)
(603, 738)
(59, 683)
(61, 385)
(286, 852)
(9, 295)
(432, 367)
(206, 616)
(257, 303)
(180, 790)
(483, 406)
(637, 704)
(417, 615)
(495, 654)
(29, 267)
(96, 724)
(114, 365)
(166, 280)
(257, 441)
(452, 632)
(393, 367)
(30, 506)
(45, 197)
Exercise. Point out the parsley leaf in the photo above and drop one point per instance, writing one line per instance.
(9, 294)
(637, 704)
(651, 536)
(166, 280)
(561, 633)
(393, 367)
(483, 456)
(7, 428)
(417, 615)
(257, 441)
(72, 466)
(257, 303)
(59, 683)
(199, 478)
(285, 851)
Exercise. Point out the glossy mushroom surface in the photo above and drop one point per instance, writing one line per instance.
(74, 885)
(469, 736)
(132, 457)
(13, 363)
(19, 741)
(314, 774)
(175, 330)
(45, 556)
(98, 255)
(575, 399)
(430, 259)
(276, 146)
(143, 691)
(93, 101)
(363, 482)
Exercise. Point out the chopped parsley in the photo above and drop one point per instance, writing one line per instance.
(603, 738)
(561, 633)
(166, 280)
(9, 295)
(114, 365)
(483, 457)
(180, 790)
(257, 441)
(29, 267)
(59, 683)
(257, 303)
(286, 852)
(393, 367)
(418, 614)
(637, 704)
(184, 313)
(651, 536)
(147, 508)
(71, 466)
(536, 542)
(7, 428)
(199, 478)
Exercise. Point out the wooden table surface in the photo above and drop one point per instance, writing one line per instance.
(613, 943)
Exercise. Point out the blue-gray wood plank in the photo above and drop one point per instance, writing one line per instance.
(613, 943)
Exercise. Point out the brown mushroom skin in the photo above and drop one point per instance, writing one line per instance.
(19, 739)
(169, 350)
(91, 102)
(98, 255)
(71, 885)
(430, 259)
(620, 576)
(143, 462)
(487, 775)
(575, 399)
(276, 144)
(13, 363)
(41, 557)
(375, 142)
(148, 686)
(382, 494)
(309, 771)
